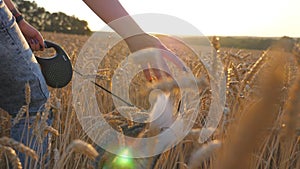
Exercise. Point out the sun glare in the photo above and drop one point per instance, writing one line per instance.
(213, 17)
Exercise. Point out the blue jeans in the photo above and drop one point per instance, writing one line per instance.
(18, 66)
(23, 131)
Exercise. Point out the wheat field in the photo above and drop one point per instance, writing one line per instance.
(259, 129)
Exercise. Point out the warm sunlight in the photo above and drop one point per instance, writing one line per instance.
(158, 84)
(213, 17)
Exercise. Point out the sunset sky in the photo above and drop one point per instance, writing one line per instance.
(212, 17)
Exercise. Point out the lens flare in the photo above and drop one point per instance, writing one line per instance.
(122, 161)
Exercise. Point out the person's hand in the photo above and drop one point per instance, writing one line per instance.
(33, 36)
(142, 41)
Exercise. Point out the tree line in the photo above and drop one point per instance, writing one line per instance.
(51, 22)
(239, 42)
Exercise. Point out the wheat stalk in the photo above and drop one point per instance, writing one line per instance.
(5, 141)
(5, 123)
(51, 130)
(20, 115)
(27, 93)
(12, 156)
(203, 153)
(78, 146)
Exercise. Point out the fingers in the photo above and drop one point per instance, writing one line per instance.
(157, 74)
(169, 55)
(160, 62)
(163, 67)
(147, 73)
(40, 40)
(173, 58)
(35, 40)
(166, 69)
(157, 69)
(34, 45)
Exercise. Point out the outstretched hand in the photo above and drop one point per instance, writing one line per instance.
(33, 36)
(142, 41)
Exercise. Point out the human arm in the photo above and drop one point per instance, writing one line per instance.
(111, 11)
(33, 37)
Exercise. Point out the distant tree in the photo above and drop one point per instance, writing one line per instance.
(51, 22)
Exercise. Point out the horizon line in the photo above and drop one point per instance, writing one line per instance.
(211, 35)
